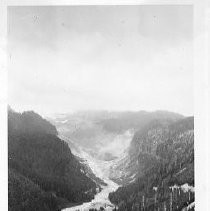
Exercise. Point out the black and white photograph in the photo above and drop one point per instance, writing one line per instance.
(101, 107)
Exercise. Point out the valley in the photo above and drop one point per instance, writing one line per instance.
(101, 200)
(102, 161)
(146, 152)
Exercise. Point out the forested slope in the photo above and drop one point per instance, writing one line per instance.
(43, 173)
(161, 159)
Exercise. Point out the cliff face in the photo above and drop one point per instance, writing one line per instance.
(43, 173)
(161, 155)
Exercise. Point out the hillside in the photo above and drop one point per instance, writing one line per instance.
(158, 170)
(43, 173)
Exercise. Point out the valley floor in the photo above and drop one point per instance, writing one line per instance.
(101, 170)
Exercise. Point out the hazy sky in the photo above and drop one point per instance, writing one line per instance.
(101, 57)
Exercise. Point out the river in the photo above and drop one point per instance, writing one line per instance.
(101, 169)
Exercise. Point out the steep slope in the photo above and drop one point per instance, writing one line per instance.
(158, 170)
(43, 173)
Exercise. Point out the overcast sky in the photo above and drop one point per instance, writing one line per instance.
(70, 58)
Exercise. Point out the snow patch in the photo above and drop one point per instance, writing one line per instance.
(186, 187)
(181, 171)
(155, 188)
(132, 176)
(174, 187)
(190, 206)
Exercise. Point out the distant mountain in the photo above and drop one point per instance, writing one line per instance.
(43, 173)
(134, 120)
(110, 120)
(104, 132)
(158, 171)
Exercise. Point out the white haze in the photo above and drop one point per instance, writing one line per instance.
(63, 59)
(118, 145)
